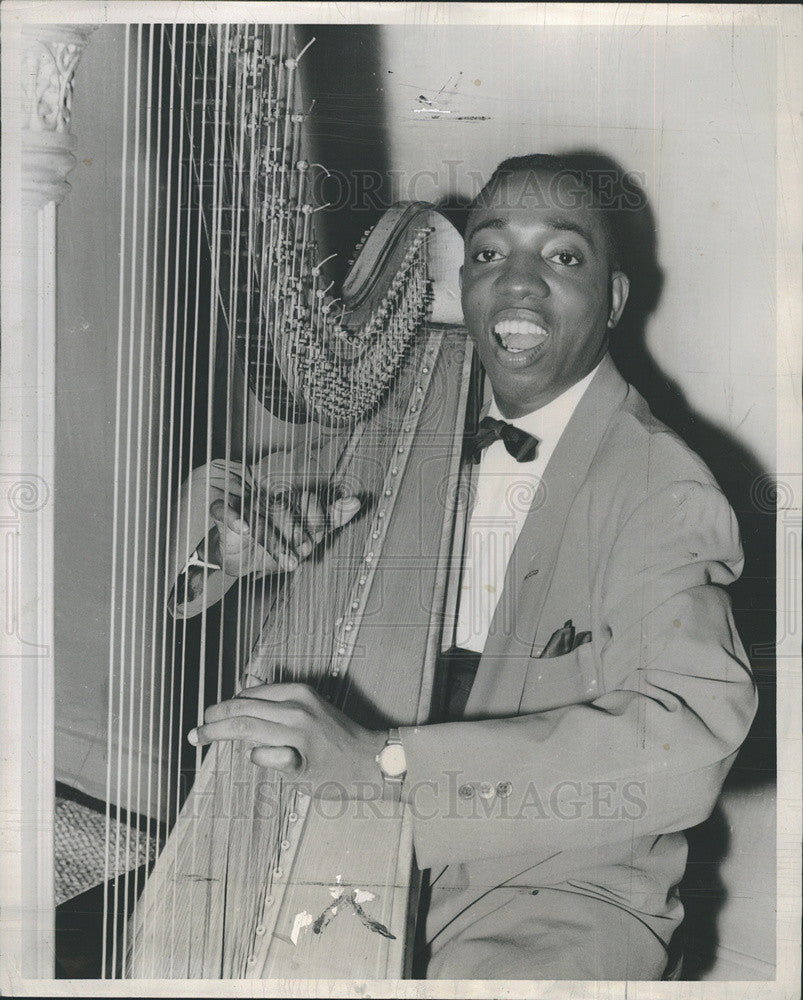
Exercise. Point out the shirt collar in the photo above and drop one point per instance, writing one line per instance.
(548, 422)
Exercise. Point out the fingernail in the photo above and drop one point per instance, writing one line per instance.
(304, 549)
(192, 737)
(290, 562)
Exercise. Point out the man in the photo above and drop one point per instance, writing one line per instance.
(551, 810)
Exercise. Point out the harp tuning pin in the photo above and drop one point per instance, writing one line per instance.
(302, 165)
(291, 63)
(307, 209)
(298, 118)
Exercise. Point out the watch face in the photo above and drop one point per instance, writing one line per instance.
(393, 761)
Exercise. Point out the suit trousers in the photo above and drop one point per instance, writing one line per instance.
(537, 934)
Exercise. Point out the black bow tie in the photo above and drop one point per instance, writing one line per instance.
(521, 445)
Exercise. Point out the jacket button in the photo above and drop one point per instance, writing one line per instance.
(465, 791)
(487, 790)
(503, 789)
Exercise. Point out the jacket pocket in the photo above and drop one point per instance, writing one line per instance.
(555, 681)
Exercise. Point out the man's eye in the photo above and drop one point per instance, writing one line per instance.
(487, 255)
(566, 258)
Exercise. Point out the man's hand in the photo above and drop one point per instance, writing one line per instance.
(283, 534)
(294, 731)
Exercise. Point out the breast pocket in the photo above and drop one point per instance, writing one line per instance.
(555, 681)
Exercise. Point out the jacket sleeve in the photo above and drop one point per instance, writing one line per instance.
(650, 753)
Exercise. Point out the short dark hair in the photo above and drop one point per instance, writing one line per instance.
(597, 179)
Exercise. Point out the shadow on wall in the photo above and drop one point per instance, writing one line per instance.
(753, 494)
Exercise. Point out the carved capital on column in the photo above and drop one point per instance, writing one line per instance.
(50, 55)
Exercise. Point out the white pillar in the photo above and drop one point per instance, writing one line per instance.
(39, 62)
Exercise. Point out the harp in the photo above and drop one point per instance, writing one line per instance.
(240, 372)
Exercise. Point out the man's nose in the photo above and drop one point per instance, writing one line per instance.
(523, 277)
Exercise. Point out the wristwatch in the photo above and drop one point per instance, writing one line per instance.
(393, 765)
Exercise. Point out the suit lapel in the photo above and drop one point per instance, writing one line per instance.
(503, 667)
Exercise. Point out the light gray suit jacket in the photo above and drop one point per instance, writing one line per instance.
(583, 770)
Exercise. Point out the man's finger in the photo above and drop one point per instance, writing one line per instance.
(286, 759)
(285, 713)
(274, 536)
(243, 728)
(313, 520)
(283, 516)
(284, 691)
(342, 511)
(227, 519)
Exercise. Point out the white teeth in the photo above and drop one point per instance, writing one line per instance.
(508, 326)
(518, 335)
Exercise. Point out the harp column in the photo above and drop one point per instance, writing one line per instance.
(39, 62)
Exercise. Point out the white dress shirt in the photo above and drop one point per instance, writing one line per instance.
(505, 491)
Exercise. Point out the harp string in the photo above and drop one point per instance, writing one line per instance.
(164, 527)
(219, 188)
(248, 123)
(273, 157)
(255, 211)
(254, 208)
(135, 654)
(115, 503)
(214, 249)
(235, 214)
(255, 846)
(126, 661)
(147, 434)
(137, 632)
(191, 170)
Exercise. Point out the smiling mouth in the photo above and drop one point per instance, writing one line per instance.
(518, 335)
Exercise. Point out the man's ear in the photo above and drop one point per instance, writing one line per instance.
(620, 287)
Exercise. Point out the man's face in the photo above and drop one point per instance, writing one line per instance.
(538, 293)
